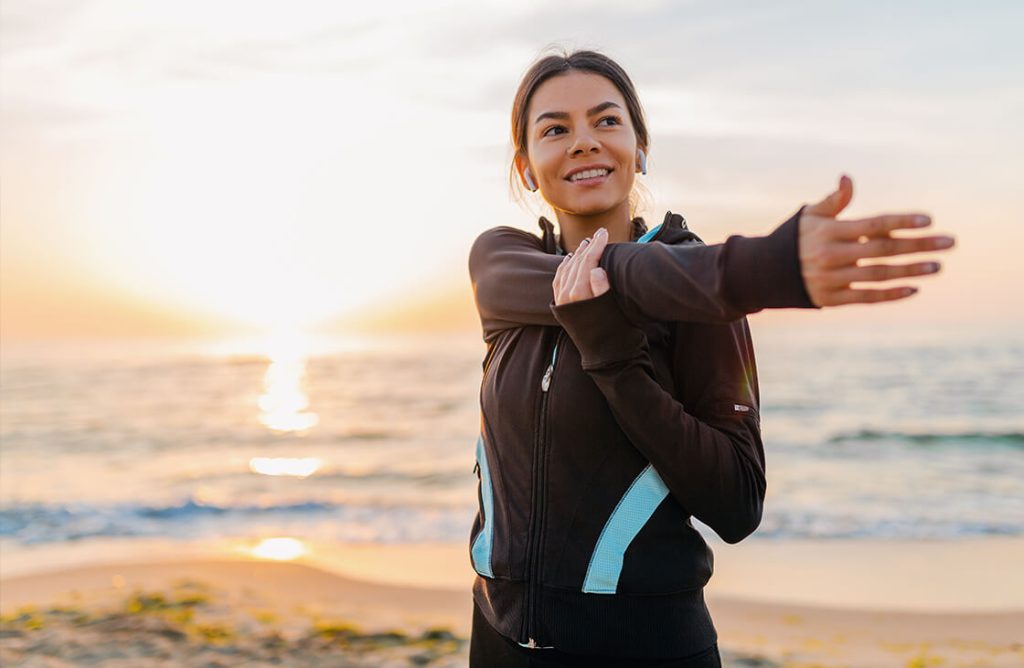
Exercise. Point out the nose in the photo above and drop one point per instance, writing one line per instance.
(584, 142)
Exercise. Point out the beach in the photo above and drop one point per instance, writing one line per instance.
(225, 517)
(386, 605)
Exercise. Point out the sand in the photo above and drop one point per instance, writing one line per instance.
(230, 611)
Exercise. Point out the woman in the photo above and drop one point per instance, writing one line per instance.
(620, 395)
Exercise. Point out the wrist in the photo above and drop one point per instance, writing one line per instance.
(766, 272)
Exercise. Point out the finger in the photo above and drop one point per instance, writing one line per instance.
(590, 254)
(878, 226)
(599, 281)
(868, 296)
(596, 247)
(590, 257)
(849, 252)
(577, 284)
(835, 201)
(573, 270)
(880, 272)
(556, 284)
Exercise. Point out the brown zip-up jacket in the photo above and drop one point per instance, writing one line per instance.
(607, 423)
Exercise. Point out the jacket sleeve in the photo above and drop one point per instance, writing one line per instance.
(709, 453)
(719, 283)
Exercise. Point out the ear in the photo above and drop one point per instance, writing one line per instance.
(520, 162)
(521, 165)
(638, 166)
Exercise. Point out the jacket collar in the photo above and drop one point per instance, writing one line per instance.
(672, 230)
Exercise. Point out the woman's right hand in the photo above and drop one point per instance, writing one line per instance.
(830, 250)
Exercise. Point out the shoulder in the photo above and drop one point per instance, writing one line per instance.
(502, 238)
(674, 231)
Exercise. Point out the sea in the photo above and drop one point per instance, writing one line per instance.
(371, 439)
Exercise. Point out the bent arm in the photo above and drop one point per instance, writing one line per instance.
(512, 275)
(709, 454)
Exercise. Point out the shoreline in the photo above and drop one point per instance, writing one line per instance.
(314, 616)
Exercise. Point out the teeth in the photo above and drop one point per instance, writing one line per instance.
(588, 174)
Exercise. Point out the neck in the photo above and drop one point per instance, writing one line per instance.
(574, 228)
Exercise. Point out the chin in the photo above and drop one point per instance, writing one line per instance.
(591, 204)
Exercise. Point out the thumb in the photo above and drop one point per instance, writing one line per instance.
(835, 202)
(599, 281)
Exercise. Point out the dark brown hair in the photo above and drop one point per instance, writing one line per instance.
(584, 60)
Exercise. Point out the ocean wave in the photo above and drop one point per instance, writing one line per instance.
(804, 525)
(44, 523)
(1013, 439)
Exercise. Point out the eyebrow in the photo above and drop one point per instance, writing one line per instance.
(590, 112)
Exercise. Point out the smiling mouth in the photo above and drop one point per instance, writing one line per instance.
(594, 180)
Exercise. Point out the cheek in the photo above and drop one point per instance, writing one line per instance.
(547, 165)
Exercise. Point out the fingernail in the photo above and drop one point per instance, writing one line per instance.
(909, 291)
(921, 221)
(931, 267)
(601, 231)
(944, 242)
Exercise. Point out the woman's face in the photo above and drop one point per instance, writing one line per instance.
(577, 120)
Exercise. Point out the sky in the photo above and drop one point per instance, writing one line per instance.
(196, 168)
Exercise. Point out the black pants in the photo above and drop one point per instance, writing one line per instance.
(490, 649)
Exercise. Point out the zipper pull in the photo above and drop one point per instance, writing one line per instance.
(545, 382)
(476, 466)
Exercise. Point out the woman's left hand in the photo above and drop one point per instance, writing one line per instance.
(578, 277)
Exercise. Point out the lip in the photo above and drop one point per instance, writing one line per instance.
(584, 168)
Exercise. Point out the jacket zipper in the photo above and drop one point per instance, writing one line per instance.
(537, 528)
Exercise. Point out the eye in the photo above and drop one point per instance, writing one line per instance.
(606, 118)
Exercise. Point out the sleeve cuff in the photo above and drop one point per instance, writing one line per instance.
(766, 270)
(600, 330)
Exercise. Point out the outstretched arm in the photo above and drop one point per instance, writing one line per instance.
(512, 276)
